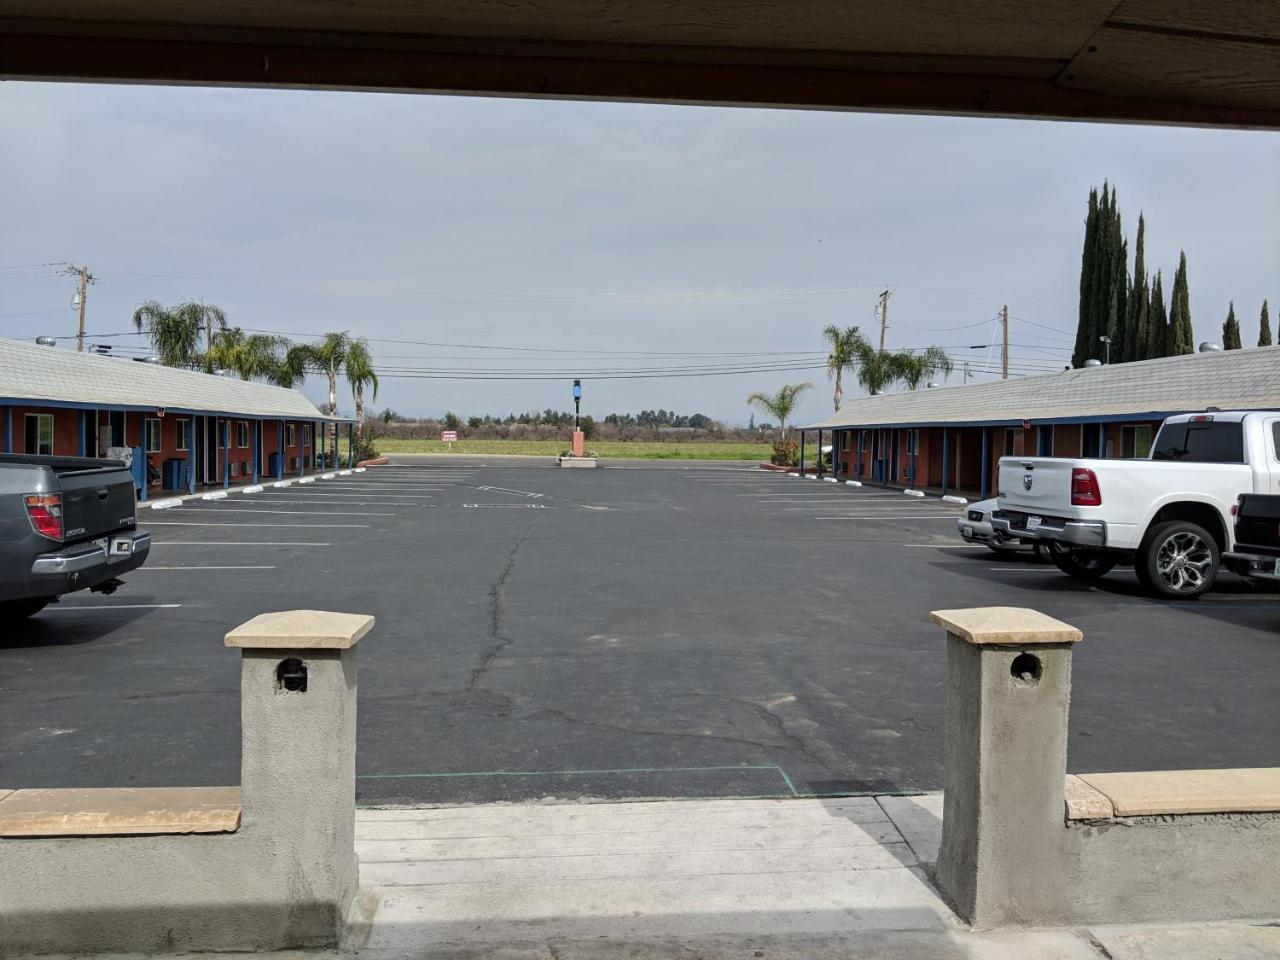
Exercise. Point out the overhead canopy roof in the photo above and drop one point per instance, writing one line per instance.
(1147, 389)
(34, 374)
(1181, 61)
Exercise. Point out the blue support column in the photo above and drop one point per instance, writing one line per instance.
(84, 430)
(8, 429)
(802, 453)
(257, 449)
(304, 429)
(280, 443)
(986, 463)
(945, 441)
(191, 455)
(224, 437)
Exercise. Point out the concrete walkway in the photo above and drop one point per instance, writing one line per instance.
(706, 879)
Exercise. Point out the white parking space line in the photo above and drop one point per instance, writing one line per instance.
(251, 523)
(238, 543)
(71, 608)
(1023, 569)
(354, 503)
(948, 546)
(305, 513)
(318, 495)
(245, 567)
(895, 516)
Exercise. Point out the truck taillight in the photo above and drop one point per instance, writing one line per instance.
(1084, 488)
(45, 511)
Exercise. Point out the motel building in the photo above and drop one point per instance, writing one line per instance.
(950, 439)
(180, 430)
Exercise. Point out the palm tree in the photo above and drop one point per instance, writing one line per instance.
(328, 355)
(918, 368)
(360, 374)
(843, 346)
(781, 404)
(877, 368)
(255, 356)
(175, 331)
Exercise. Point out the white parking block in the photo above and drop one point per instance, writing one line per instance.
(326, 476)
(283, 483)
(166, 504)
(913, 493)
(793, 474)
(216, 495)
(360, 469)
(853, 483)
(306, 479)
(252, 488)
(831, 479)
(344, 473)
(960, 500)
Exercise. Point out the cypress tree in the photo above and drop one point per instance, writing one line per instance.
(1231, 329)
(1117, 283)
(1181, 335)
(1264, 327)
(1136, 332)
(1086, 325)
(1158, 322)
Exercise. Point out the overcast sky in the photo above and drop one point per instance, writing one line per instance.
(618, 230)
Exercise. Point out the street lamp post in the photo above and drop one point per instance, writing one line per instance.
(577, 402)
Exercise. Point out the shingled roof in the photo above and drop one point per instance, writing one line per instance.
(1145, 389)
(33, 374)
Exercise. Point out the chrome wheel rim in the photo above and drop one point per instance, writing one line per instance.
(1184, 562)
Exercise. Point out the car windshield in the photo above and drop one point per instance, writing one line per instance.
(1200, 442)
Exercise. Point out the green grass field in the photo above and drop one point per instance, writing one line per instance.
(552, 448)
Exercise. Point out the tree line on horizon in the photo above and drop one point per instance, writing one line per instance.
(1129, 309)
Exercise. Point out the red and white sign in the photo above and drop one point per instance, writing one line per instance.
(449, 436)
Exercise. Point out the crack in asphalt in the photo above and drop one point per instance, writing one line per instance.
(619, 728)
(501, 641)
(819, 751)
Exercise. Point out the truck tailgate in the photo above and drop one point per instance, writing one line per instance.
(1036, 485)
(95, 501)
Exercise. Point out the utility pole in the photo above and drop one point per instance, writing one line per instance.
(1004, 344)
(884, 317)
(85, 278)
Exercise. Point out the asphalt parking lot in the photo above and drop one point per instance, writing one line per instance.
(641, 630)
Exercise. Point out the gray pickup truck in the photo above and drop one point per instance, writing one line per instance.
(66, 524)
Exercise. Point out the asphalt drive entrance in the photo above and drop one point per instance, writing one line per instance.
(641, 630)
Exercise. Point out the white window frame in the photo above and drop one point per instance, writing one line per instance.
(183, 438)
(242, 434)
(290, 434)
(40, 418)
(148, 425)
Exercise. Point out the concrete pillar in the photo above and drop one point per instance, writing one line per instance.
(298, 759)
(579, 444)
(1004, 764)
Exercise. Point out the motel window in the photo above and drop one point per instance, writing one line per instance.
(290, 435)
(913, 441)
(844, 441)
(242, 434)
(39, 429)
(184, 434)
(1135, 441)
(153, 435)
(862, 441)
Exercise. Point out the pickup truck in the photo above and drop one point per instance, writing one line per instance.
(66, 524)
(1257, 549)
(1169, 515)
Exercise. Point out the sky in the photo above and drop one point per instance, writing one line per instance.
(572, 239)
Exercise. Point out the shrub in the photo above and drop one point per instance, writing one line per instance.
(364, 444)
(786, 453)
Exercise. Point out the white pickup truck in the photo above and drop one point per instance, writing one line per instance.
(1170, 516)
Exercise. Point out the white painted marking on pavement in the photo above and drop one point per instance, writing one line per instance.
(237, 543)
(247, 567)
(68, 608)
(210, 523)
(514, 493)
(949, 546)
(896, 516)
(508, 506)
(307, 513)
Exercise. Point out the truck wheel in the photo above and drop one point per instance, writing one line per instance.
(1178, 559)
(1080, 562)
(14, 611)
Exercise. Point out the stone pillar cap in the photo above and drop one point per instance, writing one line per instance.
(301, 630)
(1005, 626)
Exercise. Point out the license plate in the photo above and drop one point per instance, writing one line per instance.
(121, 547)
(967, 530)
(1033, 523)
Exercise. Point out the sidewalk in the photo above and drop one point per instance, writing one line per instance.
(706, 879)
